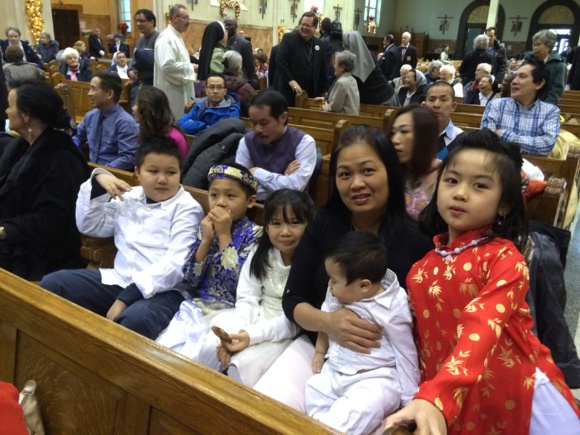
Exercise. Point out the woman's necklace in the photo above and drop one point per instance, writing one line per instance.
(448, 254)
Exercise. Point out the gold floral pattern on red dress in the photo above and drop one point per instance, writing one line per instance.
(477, 354)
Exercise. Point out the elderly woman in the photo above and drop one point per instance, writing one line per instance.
(13, 38)
(343, 96)
(74, 68)
(414, 89)
(433, 72)
(478, 56)
(81, 47)
(448, 75)
(47, 48)
(372, 84)
(16, 69)
(367, 193)
(40, 176)
(484, 93)
(119, 65)
(543, 43)
(232, 62)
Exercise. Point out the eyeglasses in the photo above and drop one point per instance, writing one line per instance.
(215, 87)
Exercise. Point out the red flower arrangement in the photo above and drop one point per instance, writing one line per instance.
(122, 27)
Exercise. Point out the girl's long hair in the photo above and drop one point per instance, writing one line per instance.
(281, 200)
(505, 158)
(156, 116)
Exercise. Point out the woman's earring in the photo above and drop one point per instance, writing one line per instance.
(500, 220)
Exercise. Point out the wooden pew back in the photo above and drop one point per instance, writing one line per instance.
(317, 118)
(95, 376)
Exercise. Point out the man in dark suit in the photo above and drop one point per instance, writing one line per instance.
(407, 52)
(300, 62)
(391, 60)
(240, 44)
(96, 46)
(118, 45)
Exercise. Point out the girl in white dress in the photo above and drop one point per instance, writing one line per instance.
(256, 332)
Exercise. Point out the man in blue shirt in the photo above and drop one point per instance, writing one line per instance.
(523, 118)
(110, 131)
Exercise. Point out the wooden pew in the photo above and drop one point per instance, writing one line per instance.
(573, 109)
(95, 376)
(470, 108)
(303, 102)
(100, 252)
(317, 118)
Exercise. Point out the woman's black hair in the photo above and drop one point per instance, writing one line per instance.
(213, 33)
(39, 100)
(281, 200)
(395, 214)
(426, 132)
(504, 158)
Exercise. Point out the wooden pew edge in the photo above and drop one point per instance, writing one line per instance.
(154, 369)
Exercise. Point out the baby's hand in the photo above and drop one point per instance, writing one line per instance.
(317, 362)
(113, 185)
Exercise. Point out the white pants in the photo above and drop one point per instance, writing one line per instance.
(354, 404)
(551, 412)
(286, 379)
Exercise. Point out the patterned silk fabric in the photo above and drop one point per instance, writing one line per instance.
(477, 355)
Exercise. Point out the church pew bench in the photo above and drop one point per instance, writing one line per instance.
(318, 118)
(571, 108)
(95, 376)
(100, 252)
(568, 170)
(303, 102)
(470, 108)
(572, 128)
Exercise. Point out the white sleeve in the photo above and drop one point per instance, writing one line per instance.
(306, 155)
(243, 155)
(167, 271)
(174, 71)
(96, 217)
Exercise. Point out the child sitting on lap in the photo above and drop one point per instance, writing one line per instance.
(223, 243)
(153, 225)
(355, 391)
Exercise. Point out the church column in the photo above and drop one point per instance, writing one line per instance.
(492, 14)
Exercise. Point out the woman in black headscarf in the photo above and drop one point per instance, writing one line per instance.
(213, 47)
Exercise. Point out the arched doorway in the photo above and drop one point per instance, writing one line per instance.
(561, 16)
(473, 22)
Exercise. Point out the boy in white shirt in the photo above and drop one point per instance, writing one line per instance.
(352, 391)
(154, 226)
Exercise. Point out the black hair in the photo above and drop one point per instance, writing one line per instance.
(109, 81)
(248, 190)
(506, 160)
(390, 38)
(395, 214)
(39, 99)
(215, 74)
(360, 255)
(281, 200)
(309, 14)
(273, 99)
(539, 73)
(149, 15)
(157, 145)
(440, 83)
(213, 33)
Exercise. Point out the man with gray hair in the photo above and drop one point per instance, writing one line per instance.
(543, 43)
(478, 56)
(173, 72)
(407, 51)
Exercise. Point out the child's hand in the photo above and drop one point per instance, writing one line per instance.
(113, 185)
(222, 221)
(224, 356)
(424, 414)
(317, 362)
(207, 229)
(239, 342)
(116, 309)
(293, 166)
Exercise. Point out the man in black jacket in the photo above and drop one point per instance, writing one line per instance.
(96, 46)
(499, 63)
(390, 61)
(244, 47)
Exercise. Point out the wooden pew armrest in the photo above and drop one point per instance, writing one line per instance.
(100, 252)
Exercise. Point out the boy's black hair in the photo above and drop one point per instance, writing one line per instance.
(360, 255)
(507, 161)
(248, 191)
(284, 199)
(157, 145)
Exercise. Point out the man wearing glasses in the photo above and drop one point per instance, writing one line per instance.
(173, 72)
(209, 110)
(141, 67)
(300, 62)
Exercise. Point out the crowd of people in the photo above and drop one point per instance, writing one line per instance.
(403, 298)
